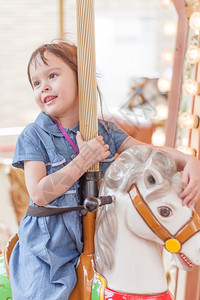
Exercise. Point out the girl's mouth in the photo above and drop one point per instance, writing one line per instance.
(49, 99)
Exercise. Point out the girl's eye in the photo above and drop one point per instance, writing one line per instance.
(165, 211)
(52, 75)
(36, 83)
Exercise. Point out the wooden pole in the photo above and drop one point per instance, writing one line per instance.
(87, 71)
(89, 129)
(87, 94)
(61, 18)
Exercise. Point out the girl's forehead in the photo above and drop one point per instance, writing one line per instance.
(45, 60)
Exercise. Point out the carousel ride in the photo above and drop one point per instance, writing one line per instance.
(142, 214)
(145, 211)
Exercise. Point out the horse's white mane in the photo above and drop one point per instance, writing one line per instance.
(133, 161)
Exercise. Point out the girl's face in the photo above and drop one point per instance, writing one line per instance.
(55, 89)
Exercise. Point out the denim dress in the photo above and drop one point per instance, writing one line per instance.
(43, 261)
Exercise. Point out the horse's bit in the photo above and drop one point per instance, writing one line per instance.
(173, 243)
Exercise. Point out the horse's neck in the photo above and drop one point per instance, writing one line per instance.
(138, 266)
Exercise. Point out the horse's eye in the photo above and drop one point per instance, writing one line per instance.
(164, 211)
(151, 179)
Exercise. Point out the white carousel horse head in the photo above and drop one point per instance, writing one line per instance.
(143, 178)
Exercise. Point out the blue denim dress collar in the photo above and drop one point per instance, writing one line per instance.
(45, 122)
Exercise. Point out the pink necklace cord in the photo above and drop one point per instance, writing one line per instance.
(67, 136)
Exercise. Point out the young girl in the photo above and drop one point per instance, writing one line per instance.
(42, 264)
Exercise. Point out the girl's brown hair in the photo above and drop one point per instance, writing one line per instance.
(63, 50)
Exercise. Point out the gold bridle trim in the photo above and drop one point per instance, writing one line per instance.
(173, 243)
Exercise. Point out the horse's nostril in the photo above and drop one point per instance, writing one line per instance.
(151, 179)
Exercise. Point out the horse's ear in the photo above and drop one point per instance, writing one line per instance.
(164, 162)
(152, 177)
(158, 173)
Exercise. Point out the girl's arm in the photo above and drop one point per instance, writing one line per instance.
(45, 188)
(189, 164)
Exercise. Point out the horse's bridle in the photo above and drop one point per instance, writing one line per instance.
(173, 243)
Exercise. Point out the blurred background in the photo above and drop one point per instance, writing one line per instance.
(137, 42)
(134, 39)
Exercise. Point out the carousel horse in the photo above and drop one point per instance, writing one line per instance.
(146, 212)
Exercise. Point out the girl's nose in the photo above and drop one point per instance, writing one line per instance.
(45, 89)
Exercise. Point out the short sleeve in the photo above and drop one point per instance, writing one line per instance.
(26, 149)
(118, 135)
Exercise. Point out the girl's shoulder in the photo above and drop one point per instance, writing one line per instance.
(29, 129)
(40, 128)
(106, 125)
(30, 133)
(109, 127)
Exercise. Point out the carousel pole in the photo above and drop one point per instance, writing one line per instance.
(89, 129)
(61, 19)
(87, 103)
